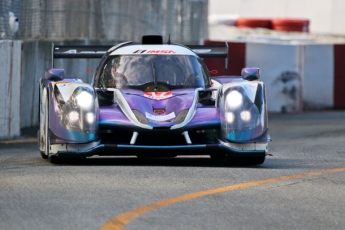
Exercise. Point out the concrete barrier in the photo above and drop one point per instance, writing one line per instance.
(281, 73)
(298, 77)
(10, 89)
(319, 77)
(36, 58)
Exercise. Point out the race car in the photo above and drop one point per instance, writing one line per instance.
(152, 99)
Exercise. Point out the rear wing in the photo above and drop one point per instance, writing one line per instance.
(212, 51)
(97, 51)
(78, 51)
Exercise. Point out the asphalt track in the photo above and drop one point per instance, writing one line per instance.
(301, 186)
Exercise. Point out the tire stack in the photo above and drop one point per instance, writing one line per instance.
(254, 23)
(278, 24)
(296, 25)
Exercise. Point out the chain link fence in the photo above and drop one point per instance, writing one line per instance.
(184, 20)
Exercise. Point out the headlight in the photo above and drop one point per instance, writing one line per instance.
(84, 99)
(246, 115)
(240, 115)
(90, 117)
(234, 99)
(243, 112)
(229, 117)
(79, 112)
(73, 116)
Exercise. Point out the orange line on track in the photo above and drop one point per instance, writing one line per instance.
(120, 221)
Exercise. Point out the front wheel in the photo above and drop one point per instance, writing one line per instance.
(43, 133)
(67, 160)
(218, 156)
(43, 155)
(252, 160)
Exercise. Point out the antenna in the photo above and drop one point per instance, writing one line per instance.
(169, 42)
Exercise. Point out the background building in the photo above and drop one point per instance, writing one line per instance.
(121, 20)
(326, 16)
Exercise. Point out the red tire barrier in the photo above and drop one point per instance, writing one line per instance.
(298, 25)
(254, 23)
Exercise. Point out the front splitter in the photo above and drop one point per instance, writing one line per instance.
(135, 150)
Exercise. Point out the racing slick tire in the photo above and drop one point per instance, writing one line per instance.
(219, 156)
(43, 155)
(253, 160)
(55, 160)
(66, 160)
(45, 140)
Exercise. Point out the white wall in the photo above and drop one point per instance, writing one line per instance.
(326, 16)
(280, 70)
(297, 77)
(318, 76)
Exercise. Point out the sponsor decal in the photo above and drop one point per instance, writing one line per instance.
(84, 52)
(154, 52)
(158, 95)
(161, 117)
(161, 52)
(139, 51)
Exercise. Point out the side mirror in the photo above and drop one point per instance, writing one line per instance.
(54, 74)
(250, 73)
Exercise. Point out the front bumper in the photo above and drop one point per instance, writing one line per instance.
(144, 150)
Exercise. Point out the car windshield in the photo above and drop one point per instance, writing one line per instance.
(134, 71)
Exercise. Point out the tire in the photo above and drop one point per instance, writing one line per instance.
(219, 156)
(45, 138)
(253, 160)
(55, 160)
(67, 160)
(43, 155)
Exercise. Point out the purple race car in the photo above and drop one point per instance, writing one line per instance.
(152, 99)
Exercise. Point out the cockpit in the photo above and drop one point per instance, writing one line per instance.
(141, 71)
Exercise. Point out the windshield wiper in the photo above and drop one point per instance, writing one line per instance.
(154, 76)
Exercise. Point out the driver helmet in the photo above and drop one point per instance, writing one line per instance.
(118, 78)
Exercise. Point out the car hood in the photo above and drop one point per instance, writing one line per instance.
(160, 108)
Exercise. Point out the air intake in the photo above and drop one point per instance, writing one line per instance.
(152, 40)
